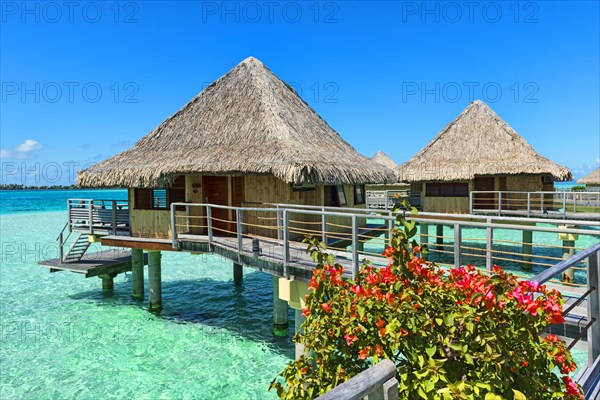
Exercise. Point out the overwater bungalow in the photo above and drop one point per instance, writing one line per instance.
(382, 195)
(247, 139)
(592, 181)
(478, 151)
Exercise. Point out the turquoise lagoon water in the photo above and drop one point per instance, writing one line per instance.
(61, 338)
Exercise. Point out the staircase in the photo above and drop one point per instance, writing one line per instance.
(77, 249)
(76, 244)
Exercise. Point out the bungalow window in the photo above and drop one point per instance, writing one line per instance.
(160, 198)
(359, 194)
(447, 189)
(335, 196)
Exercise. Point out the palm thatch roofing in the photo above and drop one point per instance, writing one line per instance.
(477, 142)
(383, 159)
(247, 122)
(591, 179)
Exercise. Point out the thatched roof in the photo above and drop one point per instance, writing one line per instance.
(383, 159)
(477, 142)
(591, 179)
(247, 122)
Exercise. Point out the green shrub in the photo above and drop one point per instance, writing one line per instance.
(457, 334)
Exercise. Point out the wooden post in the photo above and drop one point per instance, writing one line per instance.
(107, 282)
(280, 311)
(355, 246)
(424, 238)
(238, 274)
(323, 226)
(439, 240)
(457, 242)
(154, 280)
(300, 350)
(173, 227)
(114, 217)
(489, 246)
(470, 202)
(526, 249)
(593, 278)
(137, 273)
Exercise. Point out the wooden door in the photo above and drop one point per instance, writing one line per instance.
(216, 191)
(484, 201)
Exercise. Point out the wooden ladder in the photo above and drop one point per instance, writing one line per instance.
(77, 249)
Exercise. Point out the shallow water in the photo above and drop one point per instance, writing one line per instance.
(61, 337)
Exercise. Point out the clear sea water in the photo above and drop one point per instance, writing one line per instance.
(62, 338)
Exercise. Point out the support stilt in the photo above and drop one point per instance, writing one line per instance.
(424, 238)
(238, 274)
(154, 280)
(107, 282)
(280, 311)
(526, 249)
(568, 251)
(137, 273)
(300, 350)
(439, 240)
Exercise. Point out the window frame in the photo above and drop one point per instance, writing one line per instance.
(359, 190)
(446, 189)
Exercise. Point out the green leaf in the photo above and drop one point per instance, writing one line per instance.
(431, 351)
(519, 395)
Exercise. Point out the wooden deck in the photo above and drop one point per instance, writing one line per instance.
(579, 216)
(110, 261)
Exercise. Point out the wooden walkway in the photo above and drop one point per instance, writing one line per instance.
(110, 261)
(578, 216)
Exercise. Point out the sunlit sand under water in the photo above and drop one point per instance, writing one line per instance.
(61, 337)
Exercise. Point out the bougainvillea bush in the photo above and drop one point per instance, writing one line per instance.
(453, 334)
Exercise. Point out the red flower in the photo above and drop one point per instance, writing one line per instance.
(327, 308)
(572, 389)
(350, 339)
(363, 353)
(305, 312)
(389, 252)
(380, 323)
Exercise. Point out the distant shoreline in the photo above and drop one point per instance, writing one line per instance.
(15, 189)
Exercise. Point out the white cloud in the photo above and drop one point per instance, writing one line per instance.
(4, 153)
(29, 145)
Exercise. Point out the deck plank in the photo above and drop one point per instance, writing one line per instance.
(94, 264)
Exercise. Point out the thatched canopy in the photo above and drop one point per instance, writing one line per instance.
(478, 142)
(247, 122)
(591, 179)
(383, 159)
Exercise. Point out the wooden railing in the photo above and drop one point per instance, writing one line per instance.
(562, 204)
(376, 383)
(589, 374)
(98, 216)
(349, 230)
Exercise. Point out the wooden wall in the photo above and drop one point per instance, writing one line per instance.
(519, 183)
(258, 191)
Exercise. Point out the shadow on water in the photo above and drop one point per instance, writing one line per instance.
(243, 311)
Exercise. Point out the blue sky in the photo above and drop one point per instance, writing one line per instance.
(82, 81)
